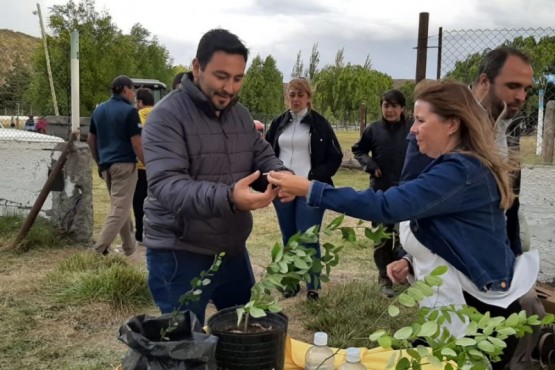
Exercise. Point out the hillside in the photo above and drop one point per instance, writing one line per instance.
(13, 44)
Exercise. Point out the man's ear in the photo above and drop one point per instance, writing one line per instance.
(196, 68)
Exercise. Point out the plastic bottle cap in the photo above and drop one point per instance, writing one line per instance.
(352, 354)
(320, 338)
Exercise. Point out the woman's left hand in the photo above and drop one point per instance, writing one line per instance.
(289, 183)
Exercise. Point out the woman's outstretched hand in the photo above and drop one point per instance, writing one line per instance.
(289, 184)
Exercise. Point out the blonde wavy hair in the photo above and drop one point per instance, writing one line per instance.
(299, 84)
(452, 100)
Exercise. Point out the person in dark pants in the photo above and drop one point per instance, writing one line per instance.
(306, 143)
(381, 153)
(145, 104)
(203, 155)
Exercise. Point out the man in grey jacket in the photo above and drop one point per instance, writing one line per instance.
(203, 155)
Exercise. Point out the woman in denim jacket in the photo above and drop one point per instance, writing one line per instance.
(455, 207)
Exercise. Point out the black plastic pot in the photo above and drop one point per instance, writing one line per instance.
(249, 351)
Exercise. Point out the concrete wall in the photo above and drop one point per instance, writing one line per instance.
(25, 167)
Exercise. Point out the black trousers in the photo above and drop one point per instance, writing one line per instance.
(138, 203)
(385, 253)
(511, 341)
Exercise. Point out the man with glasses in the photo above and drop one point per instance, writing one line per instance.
(115, 144)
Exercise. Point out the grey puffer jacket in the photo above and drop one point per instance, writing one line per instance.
(193, 159)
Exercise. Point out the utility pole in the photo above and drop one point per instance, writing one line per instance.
(422, 49)
(49, 70)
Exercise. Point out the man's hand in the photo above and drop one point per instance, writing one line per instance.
(289, 184)
(247, 200)
(397, 271)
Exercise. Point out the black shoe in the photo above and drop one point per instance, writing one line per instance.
(312, 295)
(292, 291)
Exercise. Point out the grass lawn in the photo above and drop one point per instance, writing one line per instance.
(39, 330)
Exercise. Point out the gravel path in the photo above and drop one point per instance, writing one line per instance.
(537, 199)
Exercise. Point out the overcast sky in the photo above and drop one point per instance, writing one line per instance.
(385, 30)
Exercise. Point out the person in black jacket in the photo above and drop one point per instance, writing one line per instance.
(305, 142)
(386, 141)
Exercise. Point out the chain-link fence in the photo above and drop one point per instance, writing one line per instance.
(460, 52)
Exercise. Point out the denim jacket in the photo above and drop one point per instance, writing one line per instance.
(453, 206)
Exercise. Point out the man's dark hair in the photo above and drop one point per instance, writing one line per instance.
(120, 82)
(177, 80)
(145, 95)
(393, 97)
(219, 40)
(493, 61)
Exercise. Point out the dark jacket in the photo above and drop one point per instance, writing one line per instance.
(193, 159)
(325, 151)
(454, 211)
(387, 143)
(415, 162)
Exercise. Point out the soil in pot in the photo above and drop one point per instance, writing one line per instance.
(262, 348)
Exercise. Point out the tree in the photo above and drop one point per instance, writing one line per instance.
(368, 62)
(262, 90)
(313, 64)
(17, 82)
(341, 89)
(408, 91)
(104, 52)
(339, 58)
(298, 68)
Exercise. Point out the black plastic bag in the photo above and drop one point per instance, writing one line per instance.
(188, 347)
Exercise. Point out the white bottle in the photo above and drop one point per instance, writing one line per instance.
(352, 360)
(319, 352)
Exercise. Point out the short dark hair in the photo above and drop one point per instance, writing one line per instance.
(145, 95)
(494, 60)
(393, 97)
(219, 40)
(177, 80)
(120, 82)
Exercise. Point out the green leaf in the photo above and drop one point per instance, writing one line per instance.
(416, 294)
(376, 335)
(486, 346)
(497, 342)
(406, 300)
(393, 310)
(465, 342)
(428, 329)
(277, 252)
(300, 264)
(403, 333)
(257, 312)
(448, 352)
(348, 233)
(385, 341)
(507, 331)
(403, 364)
(434, 361)
(433, 280)
(334, 224)
(438, 271)
(423, 351)
(476, 354)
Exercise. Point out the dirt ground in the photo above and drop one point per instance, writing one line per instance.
(537, 199)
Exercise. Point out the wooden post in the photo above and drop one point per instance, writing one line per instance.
(48, 69)
(422, 48)
(548, 133)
